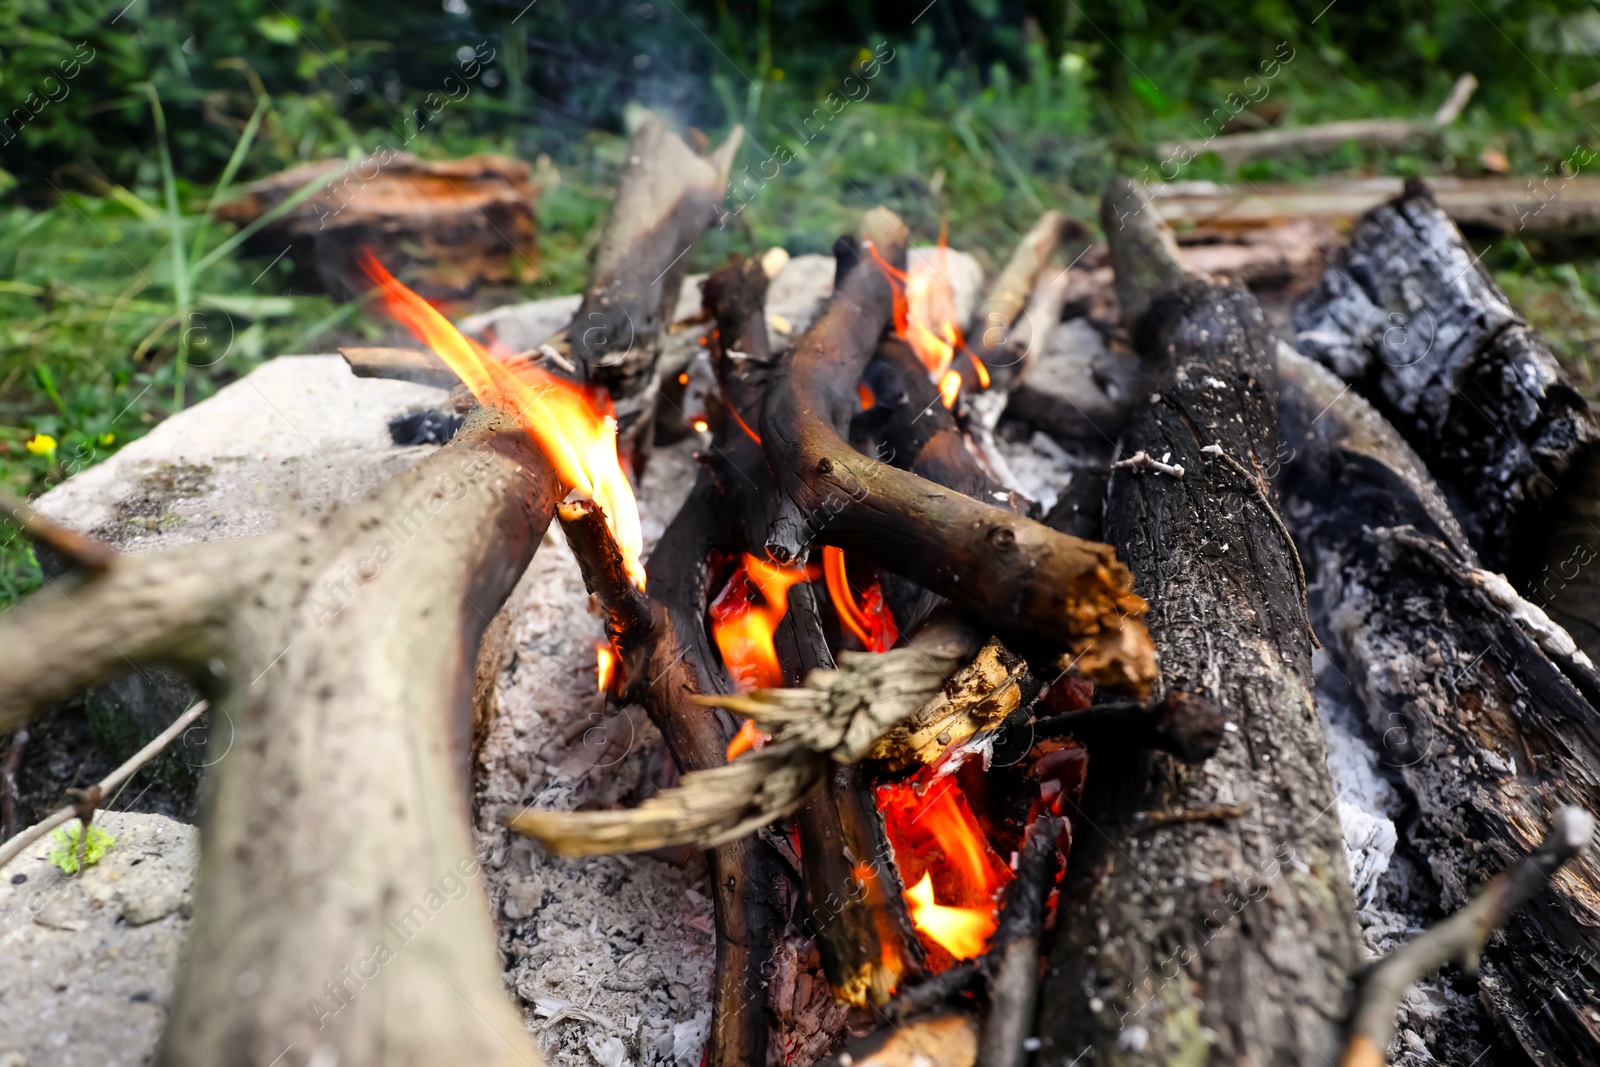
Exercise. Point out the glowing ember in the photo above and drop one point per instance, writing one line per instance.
(743, 624)
(576, 431)
(701, 425)
(937, 839)
(605, 665)
(962, 932)
(871, 620)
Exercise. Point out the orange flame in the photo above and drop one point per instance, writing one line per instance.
(925, 316)
(748, 737)
(605, 665)
(743, 628)
(962, 932)
(576, 431)
(938, 840)
(871, 621)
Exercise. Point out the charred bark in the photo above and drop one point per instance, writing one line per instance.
(1012, 574)
(1216, 940)
(1408, 317)
(1482, 707)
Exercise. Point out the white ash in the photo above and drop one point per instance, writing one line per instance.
(1043, 469)
(1367, 802)
(1435, 1013)
(611, 956)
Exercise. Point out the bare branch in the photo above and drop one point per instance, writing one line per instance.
(1458, 939)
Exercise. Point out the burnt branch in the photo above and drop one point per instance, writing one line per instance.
(1017, 576)
(1012, 963)
(667, 197)
(629, 619)
(82, 552)
(1188, 727)
(1229, 619)
(1459, 939)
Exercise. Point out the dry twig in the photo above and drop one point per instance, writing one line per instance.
(1458, 939)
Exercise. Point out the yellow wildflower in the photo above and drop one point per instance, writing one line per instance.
(42, 445)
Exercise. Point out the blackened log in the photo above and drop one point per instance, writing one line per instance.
(1015, 575)
(1478, 702)
(1223, 941)
(667, 197)
(1407, 316)
(1562, 569)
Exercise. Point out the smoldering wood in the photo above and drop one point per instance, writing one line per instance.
(1408, 317)
(1457, 939)
(666, 198)
(1190, 728)
(1018, 577)
(334, 734)
(1181, 959)
(1479, 703)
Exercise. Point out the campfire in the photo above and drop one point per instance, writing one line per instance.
(1011, 785)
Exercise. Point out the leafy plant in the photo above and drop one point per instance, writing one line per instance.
(73, 847)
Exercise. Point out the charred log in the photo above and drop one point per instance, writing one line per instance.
(1408, 317)
(1242, 951)
(1017, 576)
(1485, 710)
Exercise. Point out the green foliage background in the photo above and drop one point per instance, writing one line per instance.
(988, 111)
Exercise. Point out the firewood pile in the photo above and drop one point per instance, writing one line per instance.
(1014, 785)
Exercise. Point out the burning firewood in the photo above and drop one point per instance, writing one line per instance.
(1485, 709)
(1229, 617)
(1019, 577)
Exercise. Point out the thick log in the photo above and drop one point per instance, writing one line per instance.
(1482, 708)
(335, 881)
(1408, 317)
(462, 222)
(1229, 939)
(1014, 575)
(667, 197)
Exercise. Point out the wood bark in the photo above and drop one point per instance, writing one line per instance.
(1481, 707)
(335, 907)
(1010, 573)
(666, 198)
(1407, 316)
(1228, 940)
(461, 223)
(1552, 206)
